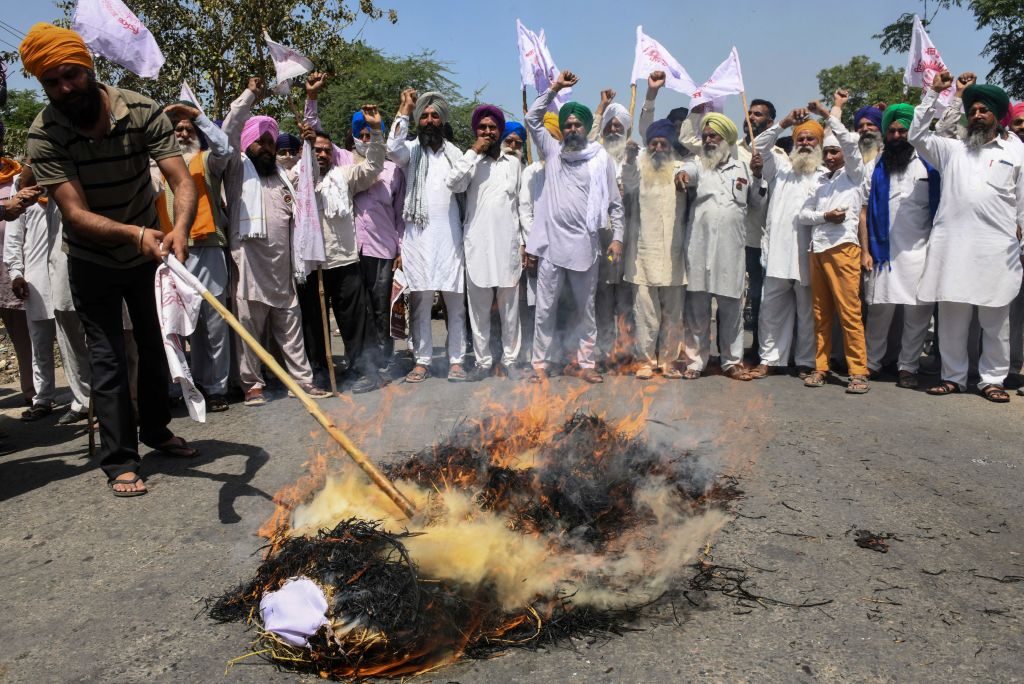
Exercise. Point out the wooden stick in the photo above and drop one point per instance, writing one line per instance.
(526, 143)
(376, 476)
(327, 331)
(632, 108)
(746, 114)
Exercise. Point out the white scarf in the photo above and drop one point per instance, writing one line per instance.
(252, 218)
(334, 194)
(597, 159)
(415, 210)
(307, 234)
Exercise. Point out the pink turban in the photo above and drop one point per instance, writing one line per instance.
(1016, 111)
(256, 127)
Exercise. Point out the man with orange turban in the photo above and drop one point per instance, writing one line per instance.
(787, 285)
(111, 231)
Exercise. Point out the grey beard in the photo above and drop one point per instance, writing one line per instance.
(977, 137)
(615, 145)
(574, 142)
(805, 163)
(715, 156)
(870, 143)
(518, 154)
(189, 148)
(658, 159)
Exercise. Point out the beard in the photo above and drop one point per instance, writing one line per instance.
(805, 162)
(574, 142)
(659, 159)
(517, 154)
(897, 155)
(190, 148)
(713, 155)
(978, 134)
(288, 163)
(265, 163)
(82, 108)
(656, 169)
(431, 136)
(870, 143)
(615, 145)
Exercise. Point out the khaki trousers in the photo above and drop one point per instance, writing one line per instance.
(835, 289)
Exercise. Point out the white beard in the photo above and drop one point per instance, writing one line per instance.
(805, 164)
(716, 157)
(189, 149)
(976, 139)
(870, 145)
(517, 154)
(616, 147)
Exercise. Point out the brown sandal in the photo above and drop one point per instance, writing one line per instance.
(815, 379)
(539, 375)
(418, 374)
(907, 380)
(760, 371)
(995, 393)
(858, 385)
(737, 372)
(944, 388)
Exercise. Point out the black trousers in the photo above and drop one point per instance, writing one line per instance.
(377, 278)
(344, 289)
(312, 321)
(755, 284)
(97, 292)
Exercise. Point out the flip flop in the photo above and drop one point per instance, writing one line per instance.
(178, 448)
(130, 493)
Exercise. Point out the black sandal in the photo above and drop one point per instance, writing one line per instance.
(35, 412)
(128, 493)
(944, 388)
(996, 394)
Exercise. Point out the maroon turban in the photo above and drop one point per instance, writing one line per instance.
(488, 110)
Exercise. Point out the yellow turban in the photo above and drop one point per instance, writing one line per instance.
(551, 123)
(812, 126)
(723, 126)
(47, 46)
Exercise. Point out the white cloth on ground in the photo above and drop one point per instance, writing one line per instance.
(294, 612)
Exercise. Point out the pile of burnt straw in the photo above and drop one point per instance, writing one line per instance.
(387, 619)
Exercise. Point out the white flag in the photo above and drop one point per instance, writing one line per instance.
(287, 64)
(112, 30)
(177, 308)
(924, 63)
(307, 235)
(726, 80)
(652, 56)
(536, 66)
(187, 95)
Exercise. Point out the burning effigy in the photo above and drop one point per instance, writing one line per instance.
(529, 528)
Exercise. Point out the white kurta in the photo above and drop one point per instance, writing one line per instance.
(716, 242)
(973, 253)
(26, 253)
(432, 255)
(910, 224)
(491, 236)
(654, 254)
(756, 215)
(786, 242)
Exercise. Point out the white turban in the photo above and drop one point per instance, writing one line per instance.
(616, 111)
(830, 141)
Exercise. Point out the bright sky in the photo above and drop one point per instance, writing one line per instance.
(782, 45)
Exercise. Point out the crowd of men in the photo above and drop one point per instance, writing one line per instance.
(587, 253)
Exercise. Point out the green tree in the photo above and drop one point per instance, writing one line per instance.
(1005, 18)
(18, 114)
(867, 82)
(896, 36)
(369, 76)
(218, 44)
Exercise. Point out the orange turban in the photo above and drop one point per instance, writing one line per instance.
(551, 123)
(47, 46)
(812, 126)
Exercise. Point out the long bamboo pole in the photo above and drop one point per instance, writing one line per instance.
(327, 331)
(632, 107)
(361, 459)
(746, 114)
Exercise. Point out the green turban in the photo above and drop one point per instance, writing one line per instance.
(578, 110)
(993, 97)
(722, 125)
(902, 112)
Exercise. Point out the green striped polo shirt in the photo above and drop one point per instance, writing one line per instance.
(113, 172)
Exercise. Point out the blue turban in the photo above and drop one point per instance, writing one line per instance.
(359, 123)
(287, 141)
(662, 128)
(871, 113)
(514, 127)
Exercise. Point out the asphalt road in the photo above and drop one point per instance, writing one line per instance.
(104, 589)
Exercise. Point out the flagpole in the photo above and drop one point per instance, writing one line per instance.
(632, 107)
(526, 143)
(362, 460)
(746, 115)
(327, 331)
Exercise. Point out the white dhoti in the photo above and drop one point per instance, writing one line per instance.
(423, 337)
(697, 326)
(75, 356)
(480, 301)
(42, 333)
(916, 318)
(783, 304)
(994, 361)
(658, 316)
(583, 284)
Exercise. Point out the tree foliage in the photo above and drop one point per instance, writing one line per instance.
(1005, 18)
(896, 36)
(867, 82)
(18, 114)
(370, 77)
(218, 44)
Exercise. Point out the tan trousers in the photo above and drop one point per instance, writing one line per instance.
(658, 315)
(286, 328)
(835, 289)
